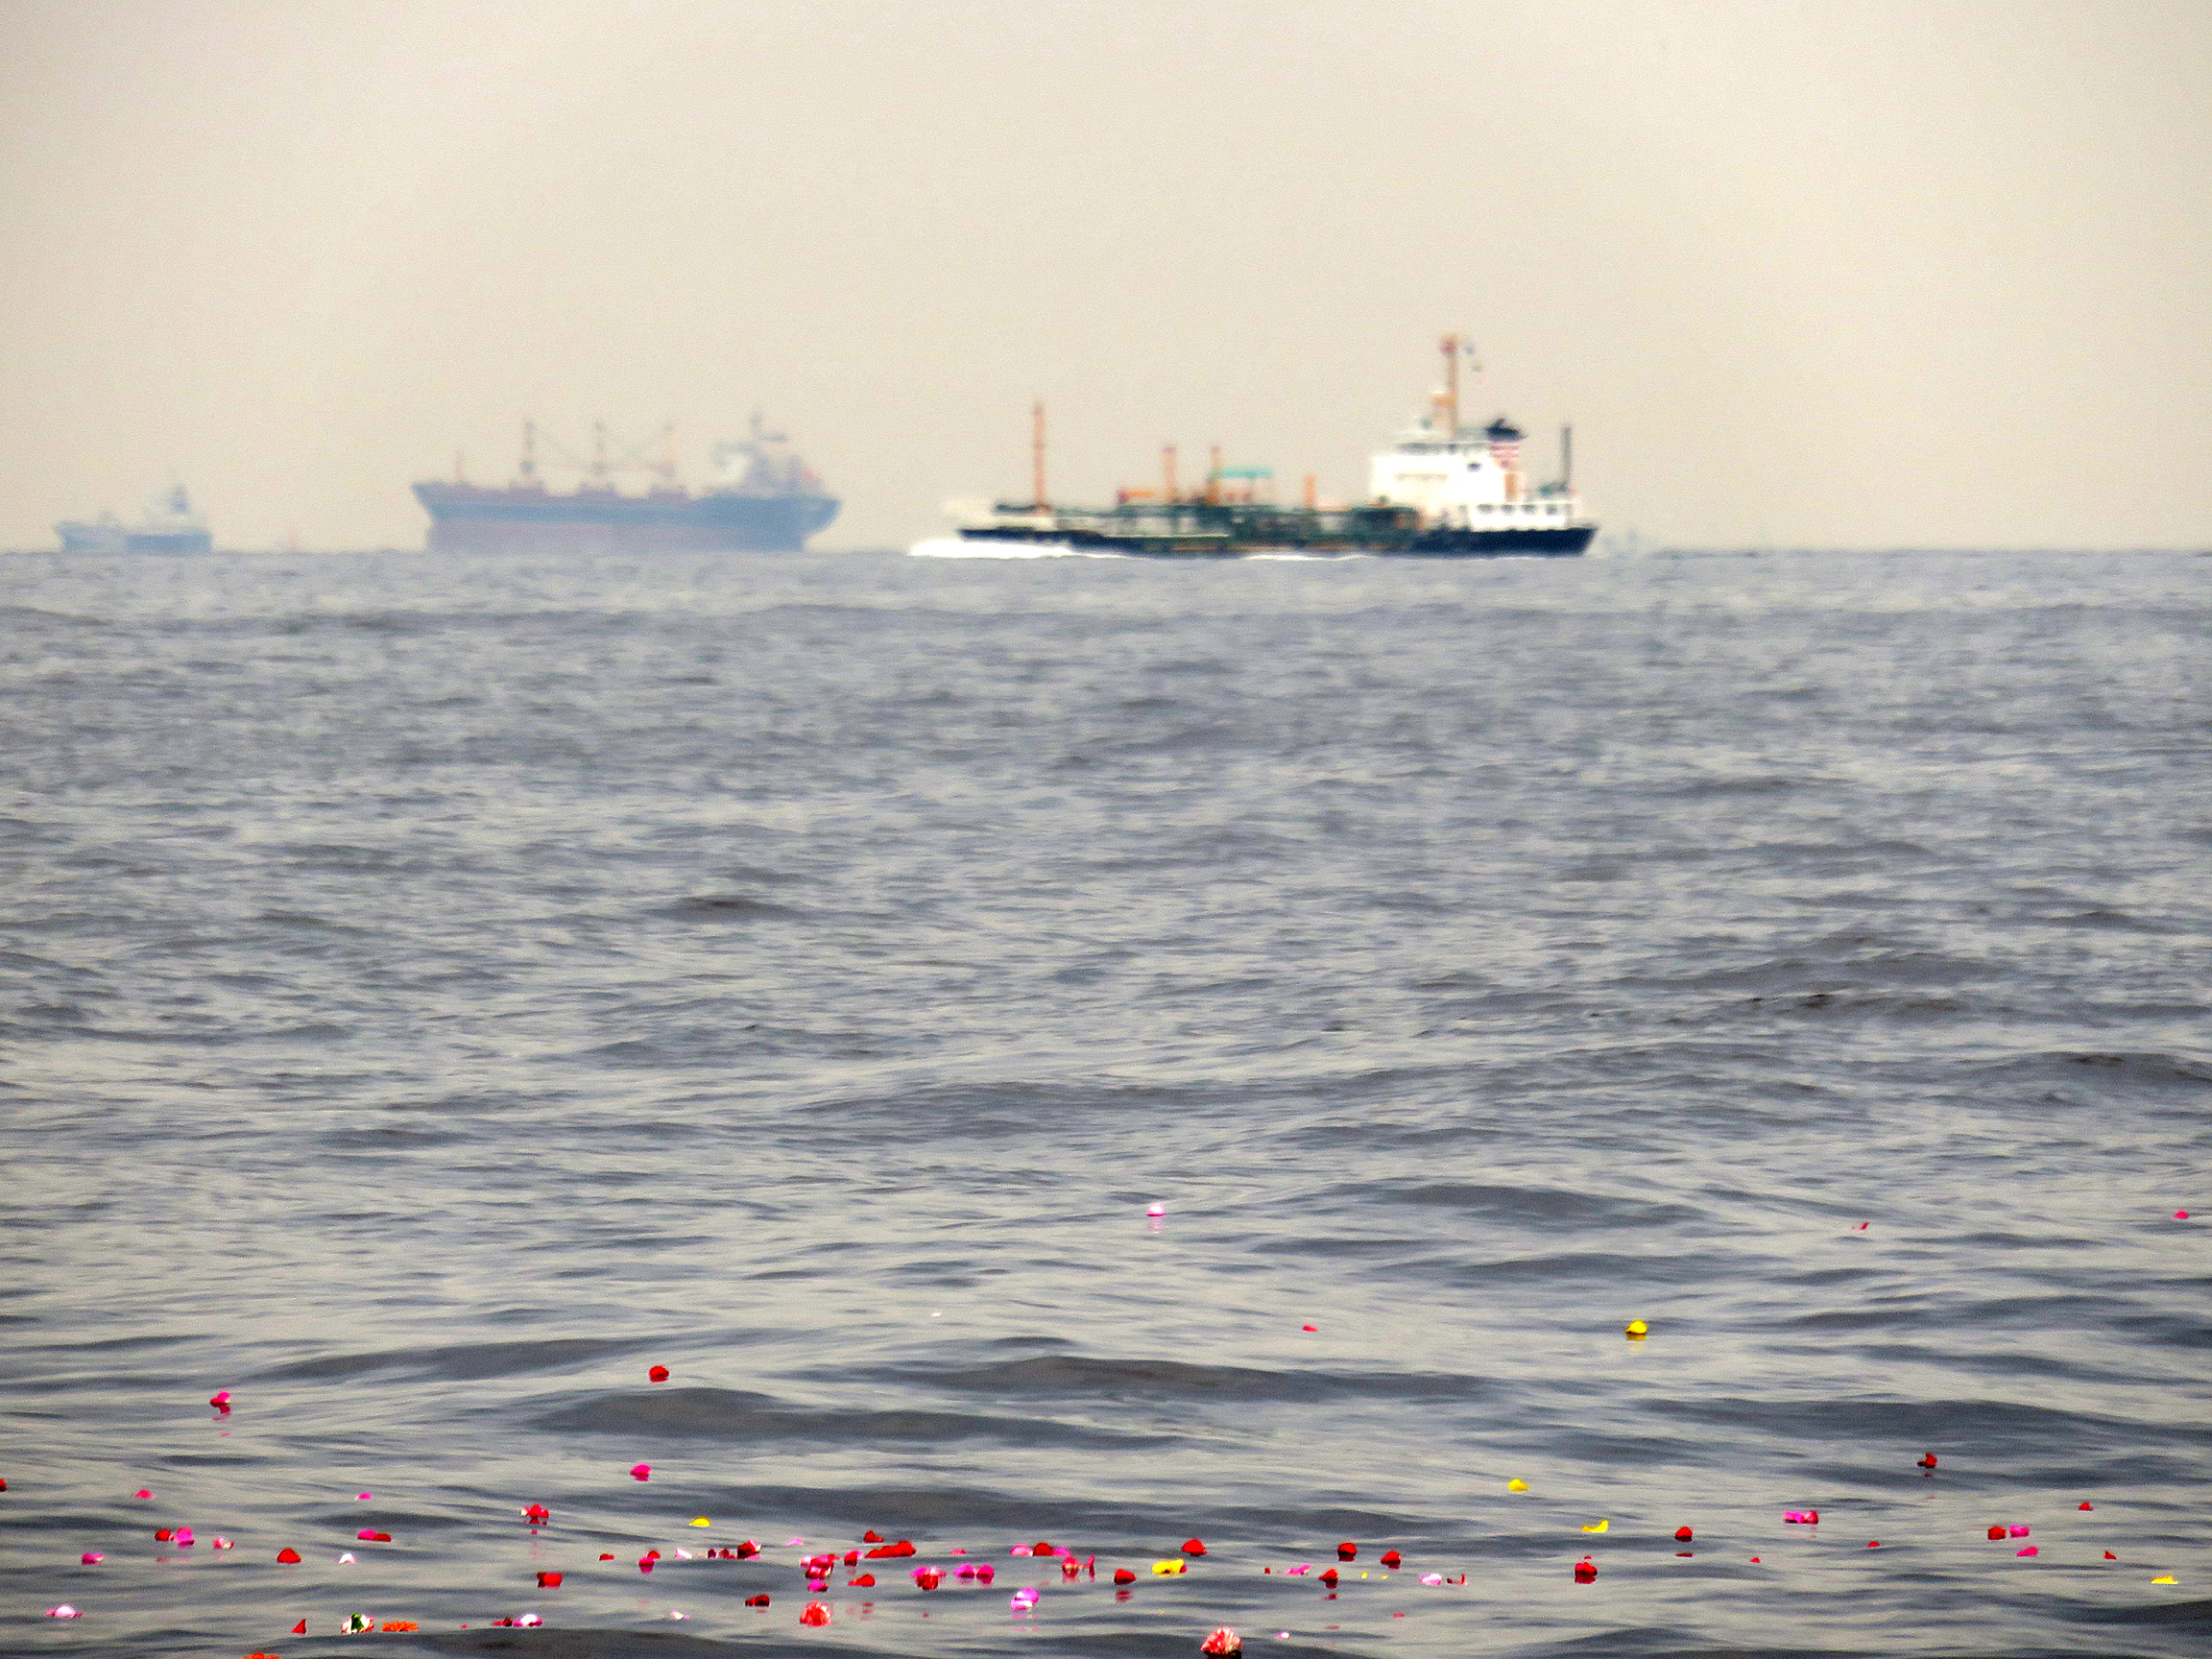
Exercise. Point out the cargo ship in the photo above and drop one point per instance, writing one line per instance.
(763, 499)
(168, 525)
(1445, 489)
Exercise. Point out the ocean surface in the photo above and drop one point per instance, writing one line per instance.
(436, 992)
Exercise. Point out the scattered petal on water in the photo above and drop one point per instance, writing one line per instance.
(1516, 1484)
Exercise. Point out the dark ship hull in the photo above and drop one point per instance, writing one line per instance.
(469, 519)
(1226, 530)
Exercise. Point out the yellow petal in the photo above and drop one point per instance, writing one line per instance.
(1597, 1527)
(1636, 1328)
(2168, 1579)
(1165, 1568)
(1516, 1485)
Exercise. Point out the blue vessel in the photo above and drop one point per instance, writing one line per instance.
(168, 525)
(764, 499)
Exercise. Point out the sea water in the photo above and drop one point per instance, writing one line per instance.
(436, 991)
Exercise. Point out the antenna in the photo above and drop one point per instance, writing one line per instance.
(598, 452)
(1037, 454)
(1167, 472)
(1213, 475)
(529, 451)
(1566, 458)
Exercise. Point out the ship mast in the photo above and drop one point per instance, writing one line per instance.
(529, 451)
(1449, 344)
(1037, 454)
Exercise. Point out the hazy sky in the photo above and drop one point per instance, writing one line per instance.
(1801, 271)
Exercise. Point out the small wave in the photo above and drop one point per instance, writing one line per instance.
(2153, 1068)
(1543, 1208)
(1080, 1376)
(732, 908)
(736, 1415)
(1728, 788)
(463, 1362)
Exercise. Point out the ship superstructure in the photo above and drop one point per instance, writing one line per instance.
(1445, 489)
(168, 525)
(763, 498)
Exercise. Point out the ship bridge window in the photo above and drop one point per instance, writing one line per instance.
(1489, 506)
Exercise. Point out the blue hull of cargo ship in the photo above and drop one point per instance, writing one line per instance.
(465, 518)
